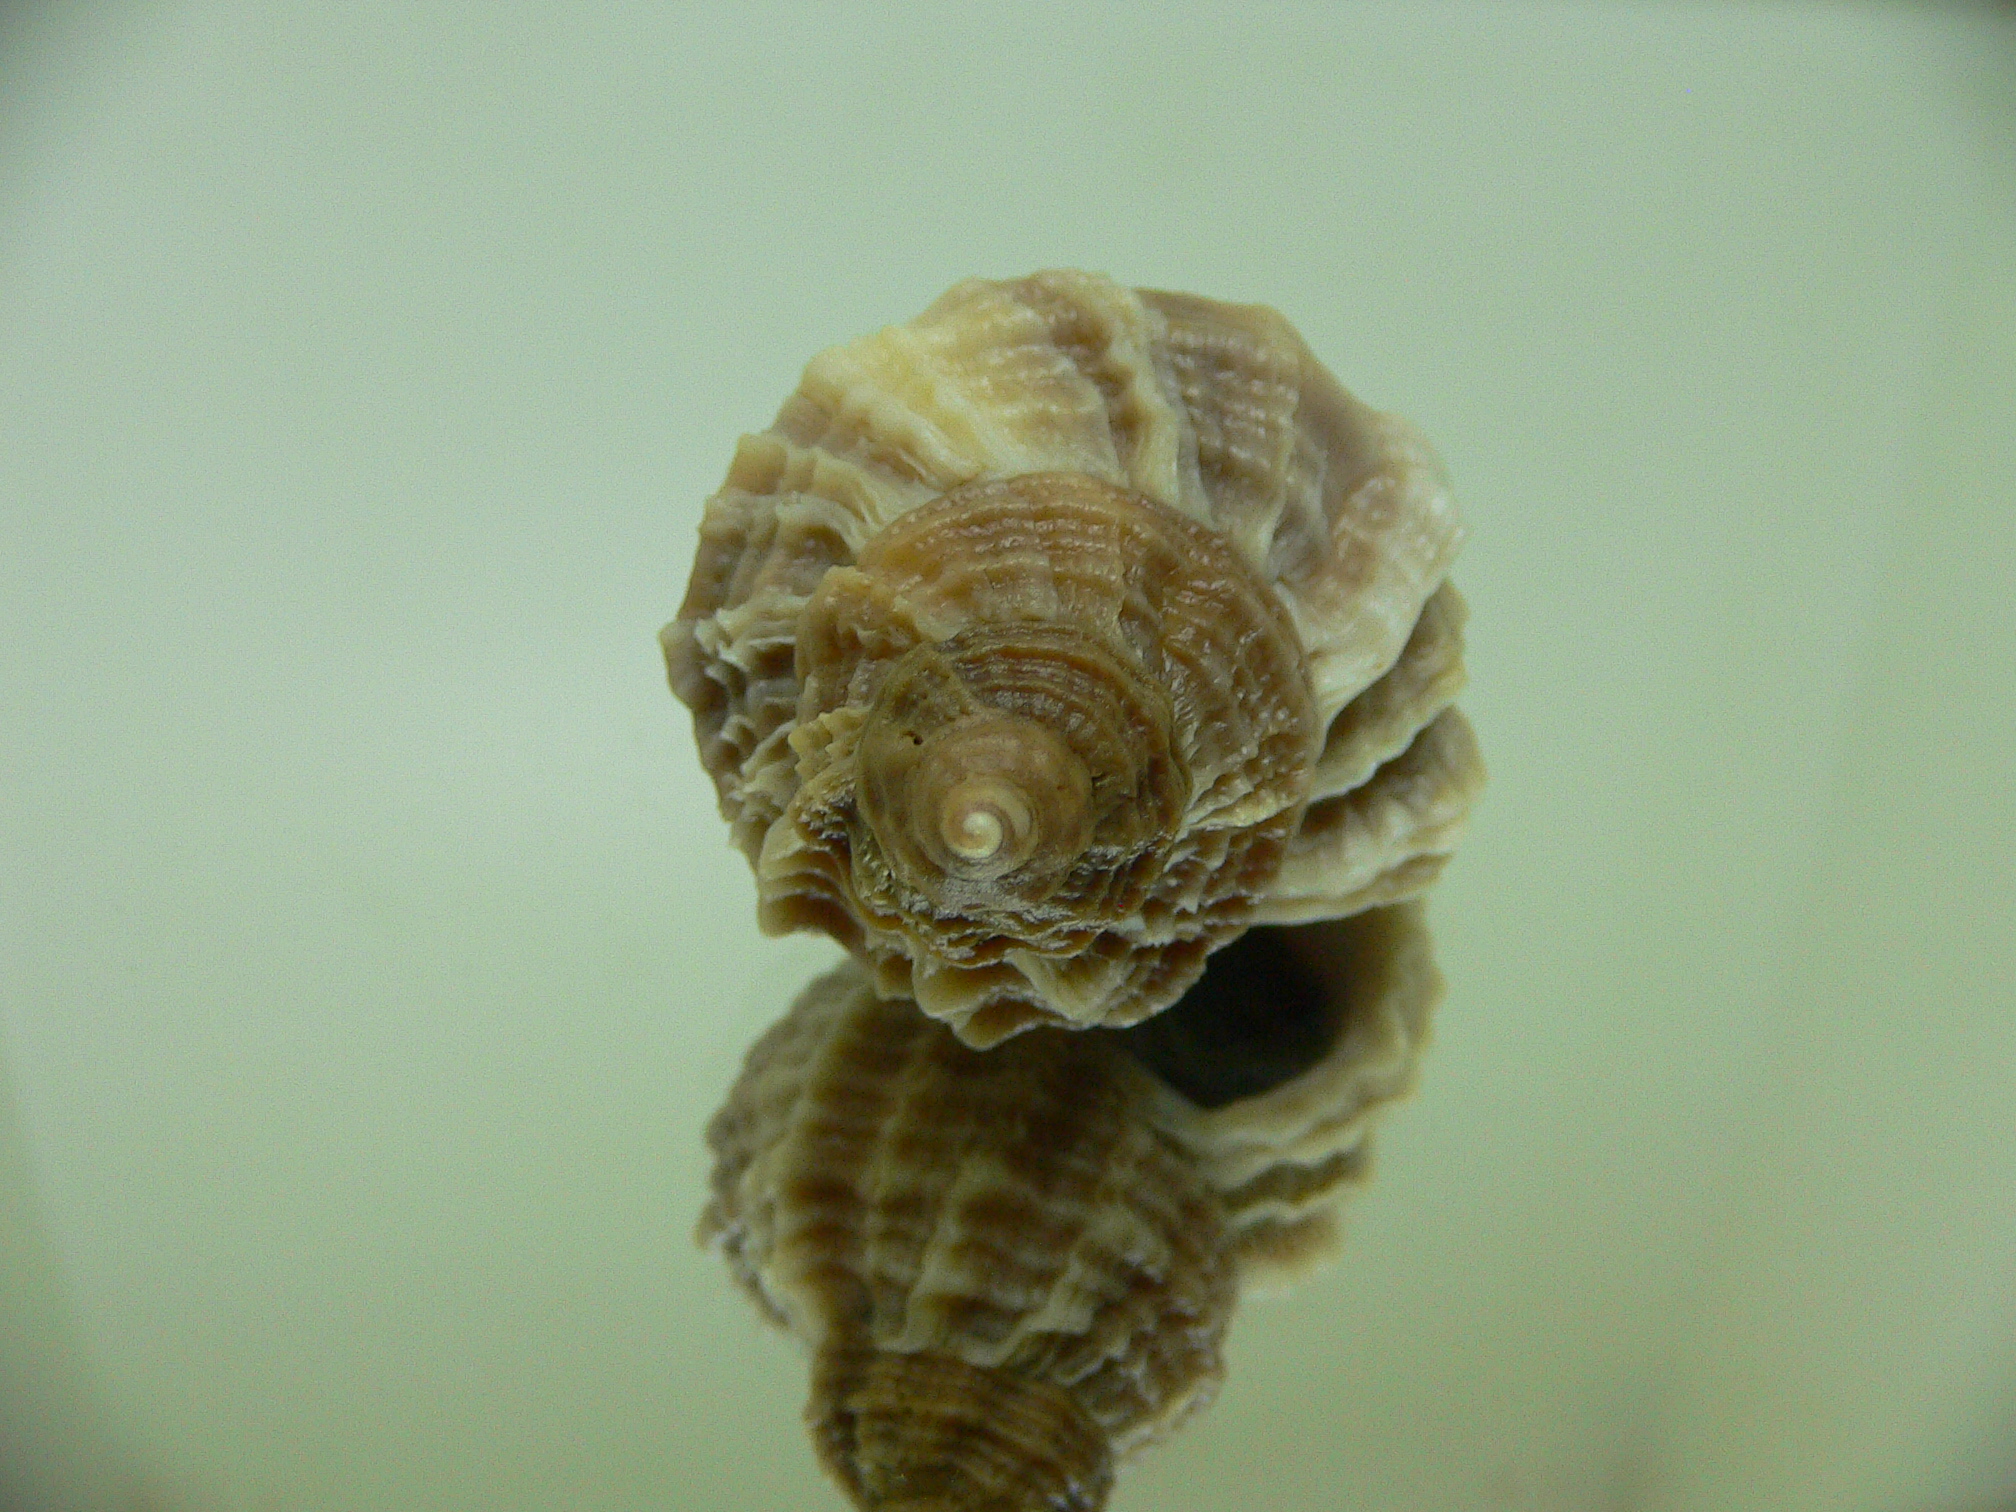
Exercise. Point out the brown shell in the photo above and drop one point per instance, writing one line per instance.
(1015, 1267)
(1047, 642)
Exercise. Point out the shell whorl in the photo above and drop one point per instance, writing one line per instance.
(1167, 603)
(1044, 755)
(974, 806)
(927, 1432)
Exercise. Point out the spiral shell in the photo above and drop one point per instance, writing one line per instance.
(1016, 1267)
(1047, 642)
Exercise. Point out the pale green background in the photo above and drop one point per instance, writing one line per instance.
(371, 954)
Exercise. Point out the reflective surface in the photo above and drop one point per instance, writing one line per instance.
(372, 952)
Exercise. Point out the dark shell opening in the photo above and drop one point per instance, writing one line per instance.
(1261, 1015)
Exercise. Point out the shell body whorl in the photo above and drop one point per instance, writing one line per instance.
(1047, 642)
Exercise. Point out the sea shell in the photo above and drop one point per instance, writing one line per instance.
(1047, 642)
(1015, 1267)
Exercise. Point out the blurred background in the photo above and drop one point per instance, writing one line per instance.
(372, 955)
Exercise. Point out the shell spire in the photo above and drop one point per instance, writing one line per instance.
(1046, 643)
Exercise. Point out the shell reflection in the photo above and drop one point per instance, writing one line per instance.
(1015, 1267)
